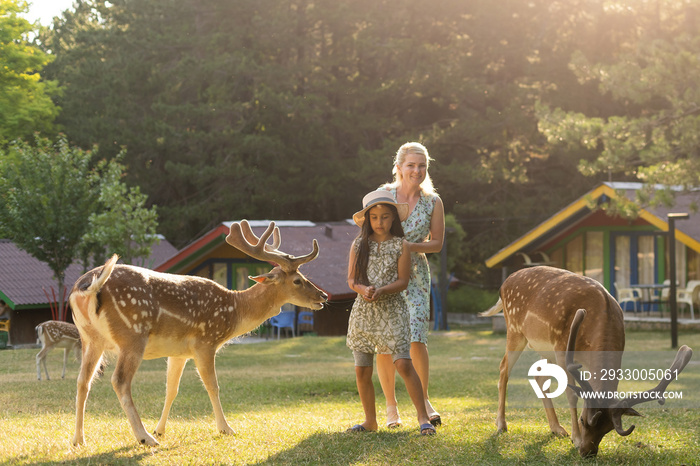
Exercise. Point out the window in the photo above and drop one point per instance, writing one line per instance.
(594, 255)
(645, 259)
(242, 278)
(622, 261)
(220, 274)
(693, 265)
(574, 255)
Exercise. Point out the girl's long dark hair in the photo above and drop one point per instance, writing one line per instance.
(362, 242)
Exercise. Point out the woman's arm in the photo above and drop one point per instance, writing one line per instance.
(437, 231)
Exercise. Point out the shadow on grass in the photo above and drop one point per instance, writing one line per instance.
(124, 455)
(501, 447)
(382, 447)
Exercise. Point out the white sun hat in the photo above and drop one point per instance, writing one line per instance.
(379, 196)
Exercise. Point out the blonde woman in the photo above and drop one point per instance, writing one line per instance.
(424, 229)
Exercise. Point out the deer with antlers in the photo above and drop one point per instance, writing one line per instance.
(141, 314)
(56, 334)
(544, 308)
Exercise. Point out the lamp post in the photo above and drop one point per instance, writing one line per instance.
(444, 285)
(672, 303)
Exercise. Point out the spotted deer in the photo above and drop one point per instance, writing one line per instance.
(56, 334)
(544, 309)
(141, 314)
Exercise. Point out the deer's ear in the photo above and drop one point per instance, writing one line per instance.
(266, 278)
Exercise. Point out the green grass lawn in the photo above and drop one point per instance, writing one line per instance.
(291, 400)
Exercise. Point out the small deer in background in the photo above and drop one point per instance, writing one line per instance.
(56, 334)
(544, 308)
(141, 314)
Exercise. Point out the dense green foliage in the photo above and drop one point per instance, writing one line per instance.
(652, 73)
(57, 207)
(25, 99)
(293, 109)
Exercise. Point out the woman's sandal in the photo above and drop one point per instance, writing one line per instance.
(393, 420)
(427, 429)
(433, 415)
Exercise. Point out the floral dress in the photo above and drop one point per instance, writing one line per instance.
(380, 326)
(417, 229)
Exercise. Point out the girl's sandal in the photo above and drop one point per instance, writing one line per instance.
(427, 429)
(393, 420)
(358, 428)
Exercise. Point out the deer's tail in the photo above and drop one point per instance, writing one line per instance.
(498, 307)
(39, 334)
(84, 299)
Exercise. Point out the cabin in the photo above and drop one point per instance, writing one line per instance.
(210, 256)
(619, 253)
(28, 289)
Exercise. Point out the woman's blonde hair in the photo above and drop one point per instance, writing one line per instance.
(411, 148)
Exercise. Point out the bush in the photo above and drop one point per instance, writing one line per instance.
(469, 299)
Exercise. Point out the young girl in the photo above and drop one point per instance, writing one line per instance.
(378, 270)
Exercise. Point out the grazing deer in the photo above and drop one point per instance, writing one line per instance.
(142, 314)
(56, 334)
(541, 308)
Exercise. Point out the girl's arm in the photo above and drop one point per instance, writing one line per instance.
(362, 290)
(404, 275)
(437, 231)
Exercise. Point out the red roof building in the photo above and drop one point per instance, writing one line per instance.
(211, 257)
(28, 288)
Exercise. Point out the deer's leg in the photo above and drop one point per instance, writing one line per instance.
(514, 348)
(128, 363)
(41, 359)
(207, 372)
(91, 358)
(175, 368)
(572, 398)
(65, 361)
(552, 419)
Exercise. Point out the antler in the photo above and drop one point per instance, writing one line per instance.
(624, 406)
(242, 237)
(682, 358)
(570, 365)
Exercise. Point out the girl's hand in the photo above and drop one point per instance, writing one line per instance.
(377, 294)
(369, 293)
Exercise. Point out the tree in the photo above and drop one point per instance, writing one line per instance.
(653, 136)
(122, 224)
(268, 109)
(25, 99)
(52, 201)
(47, 197)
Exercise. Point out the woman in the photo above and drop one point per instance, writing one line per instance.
(425, 230)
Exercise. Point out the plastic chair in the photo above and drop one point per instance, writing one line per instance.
(689, 295)
(628, 295)
(306, 319)
(284, 319)
(5, 327)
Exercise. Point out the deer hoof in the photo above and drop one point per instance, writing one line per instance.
(227, 431)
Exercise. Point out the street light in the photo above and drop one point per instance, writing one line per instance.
(672, 274)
